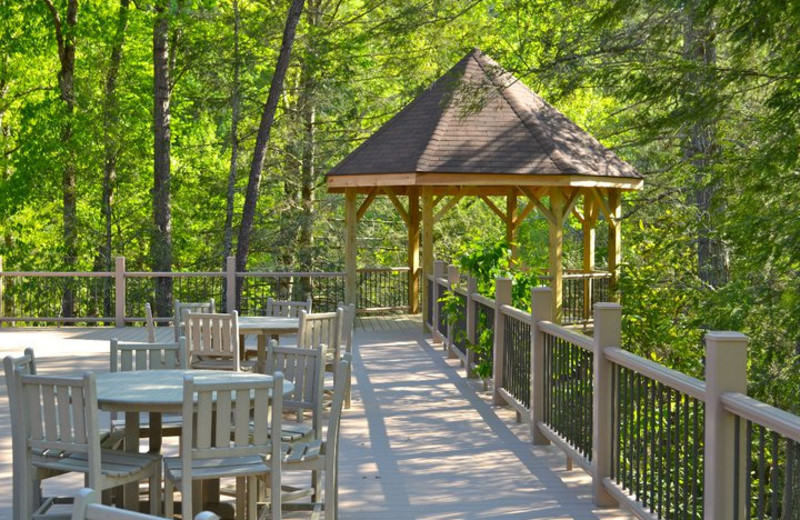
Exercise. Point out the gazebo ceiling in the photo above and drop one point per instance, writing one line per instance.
(479, 126)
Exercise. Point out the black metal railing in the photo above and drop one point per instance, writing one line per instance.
(517, 359)
(458, 327)
(658, 445)
(484, 328)
(568, 393)
(88, 297)
(772, 474)
(383, 289)
(140, 288)
(441, 324)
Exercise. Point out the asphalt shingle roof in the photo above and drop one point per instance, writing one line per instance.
(479, 119)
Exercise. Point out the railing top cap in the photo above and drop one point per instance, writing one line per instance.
(607, 305)
(725, 335)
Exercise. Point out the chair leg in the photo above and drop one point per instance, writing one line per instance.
(241, 496)
(155, 492)
(169, 504)
(251, 497)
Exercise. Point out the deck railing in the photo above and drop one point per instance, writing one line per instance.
(661, 443)
(118, 297)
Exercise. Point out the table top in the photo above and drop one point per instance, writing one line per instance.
(268, 324)
(158, 390)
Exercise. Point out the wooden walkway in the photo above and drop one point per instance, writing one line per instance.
(421, 440)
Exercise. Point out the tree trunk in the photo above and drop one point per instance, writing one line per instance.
(262, 140)
(227, 244)
(162, 233)
(701, 147)
(65, 38)
(111, 151)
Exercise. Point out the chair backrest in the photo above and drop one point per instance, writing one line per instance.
(227, 403)
(60, 414)
(150, 323)
(286, 308)
(127, 356)
(182, 309)
(320, 328)
(334, 419)
(213, 336)
(87, 506)
(14, 368)
(305, 367)
(348, 324)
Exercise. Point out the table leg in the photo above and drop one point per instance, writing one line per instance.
(131, 496)
(262, 353)
(155, 432)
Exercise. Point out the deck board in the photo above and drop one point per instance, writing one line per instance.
(420, 441)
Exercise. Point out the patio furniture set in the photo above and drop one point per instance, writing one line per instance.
(244, 414)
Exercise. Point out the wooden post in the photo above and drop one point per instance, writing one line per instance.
(541, 310)
(230, 284)
(726, 371)
(453, 279)
(556, 245)
(614, 240)
(439, 271)
(427, 249)
(589, 236)
(413, 250)
(350, 247)
(502, 296)
(511, 225)
(607, 333)
(119, 291)
(472, 318)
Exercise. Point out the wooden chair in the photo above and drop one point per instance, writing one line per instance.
(128, 356)
(212, 341)
(319, 456)
(234, 447)
(286, 308)
(60, 414)
(346, 342)
(150, 323)
(88, 507)
(321, 328)
(184, 308)
(304, 367)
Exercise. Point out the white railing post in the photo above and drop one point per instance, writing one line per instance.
(230, 284)
(439, 270)
(726, 371)
(119, 291)
(453, 279)
(472, 318)
(541, 310)
(502, 296)
(607, 333)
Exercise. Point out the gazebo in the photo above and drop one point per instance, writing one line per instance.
(478, 131)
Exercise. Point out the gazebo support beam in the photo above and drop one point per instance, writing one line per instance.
(614, 239)
(588, 221)
(350, 247)
(556, 244)
(511, 225)
(427, 245)
(413, 222)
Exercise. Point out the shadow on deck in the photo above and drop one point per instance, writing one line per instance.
(420, 441)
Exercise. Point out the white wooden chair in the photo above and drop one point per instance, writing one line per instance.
(304, 367)
(150, 323)
(234, 447)
(128, 356)
(182, 309)
(286, 308)
(320, 328)
(346, 342)
(212, 341)
(319, 456)
(60, 414)
(88, 507)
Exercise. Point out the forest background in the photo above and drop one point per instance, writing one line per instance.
(178, 132)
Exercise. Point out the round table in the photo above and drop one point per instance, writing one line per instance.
(263, 326)
(156, 392)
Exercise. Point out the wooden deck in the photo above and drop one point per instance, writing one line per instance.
(421, 440)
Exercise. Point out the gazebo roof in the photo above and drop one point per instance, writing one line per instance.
(479, 126)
